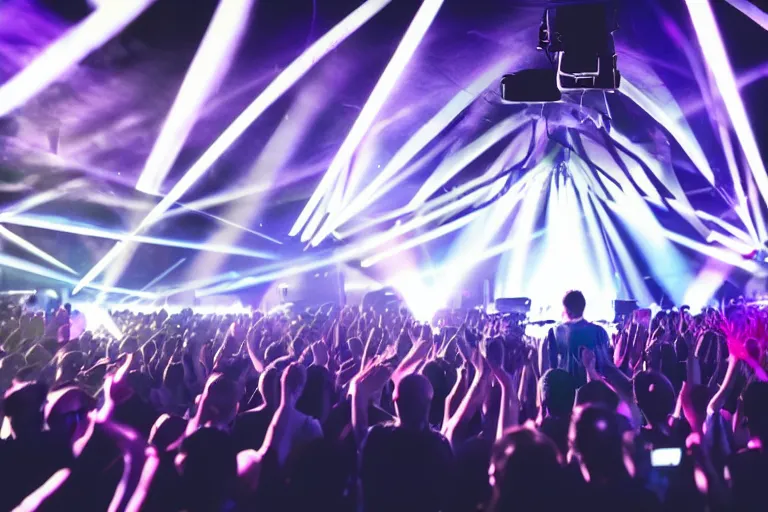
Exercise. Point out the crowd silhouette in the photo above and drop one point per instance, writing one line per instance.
(338, 409)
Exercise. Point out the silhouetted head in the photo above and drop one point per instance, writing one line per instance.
(173, 376)
(207, 464)
(574, 304)
(24, 408)
(66, 412)
(355, 347)
(595, 438)
(69, 366)
(654, 395)
(440, 389)
(317, 398)
(219, 402)
(558, 392)
(755, 398)
(526, 472)
(599, 393)
(413, 396)
(129, 345)
(269, 386)
(292, 382)
(166, 431)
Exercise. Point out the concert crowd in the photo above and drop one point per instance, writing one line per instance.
(338, 409)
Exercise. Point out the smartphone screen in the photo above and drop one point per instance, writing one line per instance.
(666, 457)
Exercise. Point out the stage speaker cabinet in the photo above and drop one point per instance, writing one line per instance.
(521, 305)
(623, 308)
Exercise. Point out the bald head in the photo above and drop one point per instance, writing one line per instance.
(413, 396)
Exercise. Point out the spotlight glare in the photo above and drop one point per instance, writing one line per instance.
(38, 270)
(382, 182)
(273, 91)
(99, 27)
(41, 223)
(33, 249)
(751, 11)
(337, 170)
(712, 46)
(208, 68)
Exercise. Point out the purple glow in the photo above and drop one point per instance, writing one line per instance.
(32, 268)
(714, 53)
(336, 173)
(274, 91)
(751, 11)
(208, 68)
(95, 30)
(383, 182)
(33, 249)
(34, 221)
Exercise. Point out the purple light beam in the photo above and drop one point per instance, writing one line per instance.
(208, 68)
(273, 91)
(336, 173)
(99, 27)
(715, 55)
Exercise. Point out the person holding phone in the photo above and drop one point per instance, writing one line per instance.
(566, 340)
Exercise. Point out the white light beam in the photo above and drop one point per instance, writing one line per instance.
(208, 68)
(77, 43)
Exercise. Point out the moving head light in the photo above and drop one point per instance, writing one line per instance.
(578, 41)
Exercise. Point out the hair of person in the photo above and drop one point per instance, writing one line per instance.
(294, 379)
(558, 392)
(269, 386)
(317, 393)
(166, 431)
(755, 400)
(413, 396)
(597, 392)
(654, 395)
(596, 437)
(526, 472)
(208, 468)
(574, 304)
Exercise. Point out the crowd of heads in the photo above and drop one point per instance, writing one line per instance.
(340, 409)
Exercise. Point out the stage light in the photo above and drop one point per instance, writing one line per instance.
(623, 264)
(712, 46)
(421, 239)
(284, 81)
(382, 182)
(39, 199)
(99, 27)
(163, 275)
(675, 125)
(38, 270)
(97, 317)
(733, 230)
(33, 221)
(453, 164)
(205, 73)
(489, 228)
(336, 173)
(276, 153)
(705, 285)
(724, 255)
(33, 249)
(751, 11)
